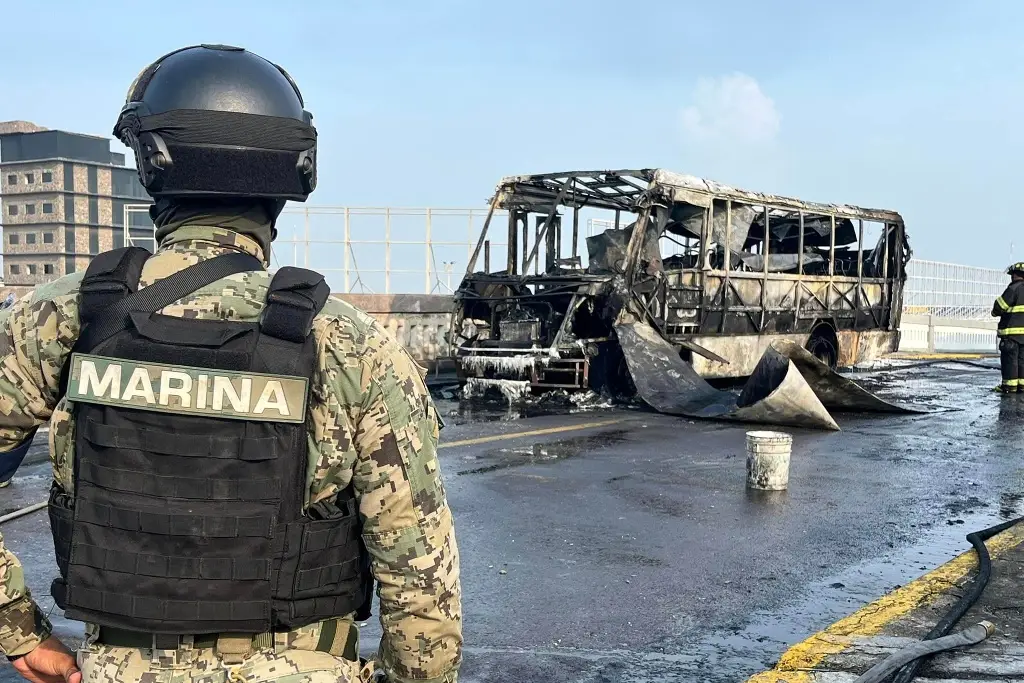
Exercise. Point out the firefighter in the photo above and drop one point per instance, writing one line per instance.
(238, 458)
(1010, 309)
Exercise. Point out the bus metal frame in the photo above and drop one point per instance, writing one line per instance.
(756, 267)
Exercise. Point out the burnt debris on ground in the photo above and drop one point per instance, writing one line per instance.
(789, 386)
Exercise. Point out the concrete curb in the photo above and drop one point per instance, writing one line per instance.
(800, 662)
(924, 355)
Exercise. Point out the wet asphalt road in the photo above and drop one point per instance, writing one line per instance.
(631, 551)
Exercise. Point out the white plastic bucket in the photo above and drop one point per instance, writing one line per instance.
(768, 460)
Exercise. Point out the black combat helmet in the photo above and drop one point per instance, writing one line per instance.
(219, 121)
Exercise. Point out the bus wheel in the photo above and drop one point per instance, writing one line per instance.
(824, 345)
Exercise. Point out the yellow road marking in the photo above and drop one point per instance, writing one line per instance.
(796, 665)
(533, 432)
(943, 356)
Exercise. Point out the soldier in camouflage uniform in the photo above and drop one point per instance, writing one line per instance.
(370, 424)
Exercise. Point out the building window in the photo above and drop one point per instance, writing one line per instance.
(47, 176)
(30, 209)
(30, 178)
(15, 270)
(48, 269)
(47, 207)
(30, 238)
(12, 179)
(12, 239)
(12, 210)
(32, 269)
(47, 238)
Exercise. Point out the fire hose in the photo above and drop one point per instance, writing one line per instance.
(906, 663)
(969, 636)
(23, 511)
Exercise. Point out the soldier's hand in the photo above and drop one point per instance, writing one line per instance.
(51, 662)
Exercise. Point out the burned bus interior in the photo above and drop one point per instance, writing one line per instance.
(560, 255)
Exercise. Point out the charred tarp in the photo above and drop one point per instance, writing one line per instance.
(720, 276)
(789, 385)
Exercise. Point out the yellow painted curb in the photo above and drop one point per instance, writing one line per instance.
(534, 432)
(799, 661)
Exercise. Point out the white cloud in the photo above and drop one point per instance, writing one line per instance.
(728, 110)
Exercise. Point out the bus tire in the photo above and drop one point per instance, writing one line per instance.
(824, 344)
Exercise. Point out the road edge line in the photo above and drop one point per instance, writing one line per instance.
(797, 664)
(532, 432)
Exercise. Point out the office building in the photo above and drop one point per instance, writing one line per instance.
(64, 198)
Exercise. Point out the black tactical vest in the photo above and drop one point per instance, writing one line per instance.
(190, 463)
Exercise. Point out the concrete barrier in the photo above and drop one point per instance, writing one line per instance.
(418, 321)
(931, 333)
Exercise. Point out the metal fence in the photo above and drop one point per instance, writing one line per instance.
(376, 250)
(424, 250)
(384, 250)
(949, 290)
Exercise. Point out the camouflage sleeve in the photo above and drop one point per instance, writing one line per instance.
(36, 335)
(381, 400)
(22, 625)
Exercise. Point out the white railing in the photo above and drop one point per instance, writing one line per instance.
(386, 250)
(949, 290)
(426, 250)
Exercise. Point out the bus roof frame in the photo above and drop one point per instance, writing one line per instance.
(626, 190)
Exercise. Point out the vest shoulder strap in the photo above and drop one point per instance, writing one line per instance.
(163, 293)
(295, 297)
(114, 317)
(111, 276)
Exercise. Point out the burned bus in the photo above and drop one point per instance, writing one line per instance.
(719, 272)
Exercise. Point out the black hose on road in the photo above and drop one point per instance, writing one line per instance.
(969, 636)
(946, 624)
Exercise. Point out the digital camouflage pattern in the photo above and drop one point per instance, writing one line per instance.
(372, 424)
(292, 659)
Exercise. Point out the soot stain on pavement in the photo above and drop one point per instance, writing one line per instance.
(485, 409)
(541, 453)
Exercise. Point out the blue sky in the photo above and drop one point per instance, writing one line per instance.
(913, 106)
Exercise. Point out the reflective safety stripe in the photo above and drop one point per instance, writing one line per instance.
(1001, 303)
(1011, 331)
(1012, 383)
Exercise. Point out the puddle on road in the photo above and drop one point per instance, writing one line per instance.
(506, 458)
(927, 385)
(1010, 505)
